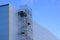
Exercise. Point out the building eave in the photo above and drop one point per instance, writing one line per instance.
(4, 5)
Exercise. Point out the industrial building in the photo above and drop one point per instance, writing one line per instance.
(17, 24)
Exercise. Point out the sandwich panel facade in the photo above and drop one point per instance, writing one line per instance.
(4, 23)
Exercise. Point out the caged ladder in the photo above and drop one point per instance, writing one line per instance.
(25, 28)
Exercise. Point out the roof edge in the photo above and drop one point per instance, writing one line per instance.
(4, 5)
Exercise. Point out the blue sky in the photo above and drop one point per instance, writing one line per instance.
(45, 12)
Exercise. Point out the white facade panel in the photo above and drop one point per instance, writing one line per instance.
(13, 23)
(41, 33)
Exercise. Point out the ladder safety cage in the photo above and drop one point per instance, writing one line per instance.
(25, 24)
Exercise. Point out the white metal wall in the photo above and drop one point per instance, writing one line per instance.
(41, 33)
(13, 23)
(38, 34)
